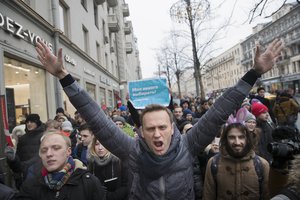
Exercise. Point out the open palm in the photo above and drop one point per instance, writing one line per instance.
(53, 64)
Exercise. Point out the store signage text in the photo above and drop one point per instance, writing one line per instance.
(16, 29)
(70, 60)
(89, 72)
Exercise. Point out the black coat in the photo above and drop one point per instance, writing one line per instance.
(82, 185)
(116, 189)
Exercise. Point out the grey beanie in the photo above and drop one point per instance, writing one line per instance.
(250, 116)
(120, 119)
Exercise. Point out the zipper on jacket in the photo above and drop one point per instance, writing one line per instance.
(162, 188)
(57, 194)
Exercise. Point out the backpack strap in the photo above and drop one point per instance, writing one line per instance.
(214, 170)
(260, 174)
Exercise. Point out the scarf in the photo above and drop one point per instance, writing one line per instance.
(153, 166)
(55, 180)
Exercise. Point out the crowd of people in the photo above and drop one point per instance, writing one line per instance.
(199, 149)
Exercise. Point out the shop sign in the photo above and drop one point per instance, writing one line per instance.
(70, 60)
(89, 72)
(17, 30)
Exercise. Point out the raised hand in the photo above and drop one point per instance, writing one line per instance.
(263, 62)
(53, 64)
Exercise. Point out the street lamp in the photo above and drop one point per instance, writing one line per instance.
(189, 12)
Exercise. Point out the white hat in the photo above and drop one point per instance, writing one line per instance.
(66, 126)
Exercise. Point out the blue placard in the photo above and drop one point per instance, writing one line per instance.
(149, 91)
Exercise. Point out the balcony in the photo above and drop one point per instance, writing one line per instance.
(99, 2)
(127, 27)
(125, 10)
(112, 3)
(113, 24)
(293, 39)
(128, 47)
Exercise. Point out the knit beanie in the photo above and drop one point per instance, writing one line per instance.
(60, 110)
(187, 111)
(250, 116)
(245, 104)
(34, 118)
(258, 108)
(119, 119)
(66, 126)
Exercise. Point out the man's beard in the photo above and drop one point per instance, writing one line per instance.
(240, 154)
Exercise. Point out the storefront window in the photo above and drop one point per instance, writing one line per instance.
(110, 99)
(102, 96)
(25, 90)
(91, 89)
(68, 107)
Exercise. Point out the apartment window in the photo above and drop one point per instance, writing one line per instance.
(63, 17)
(98, 52)
(96, 15)
(84, 4)
(105, 39)
(85, 39)
(106, 61)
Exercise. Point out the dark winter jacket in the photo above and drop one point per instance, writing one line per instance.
(159, 177)
(29, 143)
(113, 174)
(265, 138)
(82, 185)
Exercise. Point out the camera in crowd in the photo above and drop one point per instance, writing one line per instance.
(286, 144)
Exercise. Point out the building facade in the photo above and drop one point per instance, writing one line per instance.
(99, 50)
(225, 69)
(285, 25)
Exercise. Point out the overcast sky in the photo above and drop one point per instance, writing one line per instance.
(151, 23)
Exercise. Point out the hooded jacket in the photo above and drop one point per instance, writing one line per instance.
(169, 176)
(236, 178)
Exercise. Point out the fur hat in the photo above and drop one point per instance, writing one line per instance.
(34, 118)
(119, 119)
(258, 108)
(66, 126)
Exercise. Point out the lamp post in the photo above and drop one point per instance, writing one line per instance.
(190, 12)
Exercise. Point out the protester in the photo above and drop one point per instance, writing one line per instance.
(81, 149)
(260, 111)
(112, 173)
(236, 173)
(286, 110)
(161, 160)
(61, 176)
(121, 123)
(27, 149)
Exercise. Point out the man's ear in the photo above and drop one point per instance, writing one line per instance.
(172, 128)
(69, 151)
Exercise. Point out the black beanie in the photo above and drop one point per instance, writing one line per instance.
(60, 110)
(34, 118)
